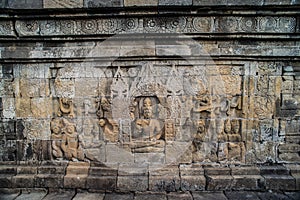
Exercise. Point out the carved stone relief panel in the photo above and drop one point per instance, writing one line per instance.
(148, 107)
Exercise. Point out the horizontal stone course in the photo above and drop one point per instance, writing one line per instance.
(54, 4)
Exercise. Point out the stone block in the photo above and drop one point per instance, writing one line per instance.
(25, 4)
(247, 170)
(274, 170)
(8, 108)
(152, 158)
(7, 88)
(247, 182)
(132, 183)
(219, 182)
(102, 3)
(96, 154)
(23, 108)
(32, 195)
(136, 169)
(150, 196)
(173, 50)
(3, 4)
(293, 195)
(276, 2)
(179, 196)
(140, 2)
(209, 195)
(65, 195)
(32, 87)
(41, 107)
(63, 3)
(191, 170)
(49, 181)
(26, 170)
(8, 129)
(175, 2)
(78, 168)
(217, 171)
(115, 154)
(246, 195)
(7, 169)
(23, 181)
(192, 183)
(75, 181)
(55, 170)
(103, 171)
(289, 148)
(103, 183)
(5, 180)
(280, 182)
(209, 2)
(178, 152)
(8, 194)
(245, 3)
(86, 87)
(89, 196)
(164, 183)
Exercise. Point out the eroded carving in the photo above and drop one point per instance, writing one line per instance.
(65, 140)
(70, 142)
(56, 137)
(66, 107)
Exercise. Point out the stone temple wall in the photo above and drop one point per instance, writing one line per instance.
(150, 95)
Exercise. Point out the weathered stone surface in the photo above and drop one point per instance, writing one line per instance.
(140, 2)
(209, 195)
(111, 196)
(182, 195)
(209, 2)
(271, 195)
(116, 154)
(63, 4)
(6, 180)
(103, 183)
(150, 195)
(242, 195)
(175, 2)
(9, 194)
(293, 195)
(23, 181)
(32, 195)
(192, 178)
(132, 183)
(276, 182)
(89, 196)
(102, 3)
(25, 4)
(220, 182)
(164, 179)
(247, 182)
(49, 181)
(68, 195)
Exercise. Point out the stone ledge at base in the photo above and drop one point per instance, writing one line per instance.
(94, 177)
(216, 195)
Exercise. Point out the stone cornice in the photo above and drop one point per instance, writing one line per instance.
(76, 26)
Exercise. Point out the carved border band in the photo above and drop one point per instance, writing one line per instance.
(267, 24)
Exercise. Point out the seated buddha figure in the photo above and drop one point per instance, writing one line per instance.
(147, 131)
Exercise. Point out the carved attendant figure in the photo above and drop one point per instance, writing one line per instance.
(56, 138)
(70, 143)
(108, 130)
